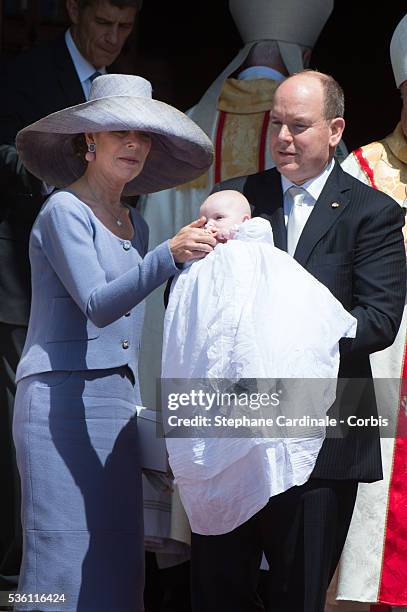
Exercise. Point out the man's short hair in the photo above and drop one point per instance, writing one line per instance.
(137, 4)
(334, 98)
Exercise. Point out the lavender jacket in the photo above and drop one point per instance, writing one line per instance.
(88, 288)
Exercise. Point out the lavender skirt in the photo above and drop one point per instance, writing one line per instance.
(77, 453)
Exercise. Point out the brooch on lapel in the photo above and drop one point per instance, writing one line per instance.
(335, 205)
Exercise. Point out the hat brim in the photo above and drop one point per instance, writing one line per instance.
(180, 150)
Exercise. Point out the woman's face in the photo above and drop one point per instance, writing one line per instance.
(121, 155)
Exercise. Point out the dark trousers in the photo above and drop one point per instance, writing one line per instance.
(12, 338)
(167, 590)
(302, 532)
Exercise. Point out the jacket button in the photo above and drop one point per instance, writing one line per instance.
(127, 314)
(125, 344)
(126, 245)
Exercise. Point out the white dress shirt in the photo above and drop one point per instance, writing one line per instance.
(83, 68)
(313, 189)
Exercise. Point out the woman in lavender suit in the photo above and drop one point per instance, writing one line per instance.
(75, 424)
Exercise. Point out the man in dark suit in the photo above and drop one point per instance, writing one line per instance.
(42, 81)
(349, 237)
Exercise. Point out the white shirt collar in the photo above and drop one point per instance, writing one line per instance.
(314, 186)
(84, 69)
(260, 72)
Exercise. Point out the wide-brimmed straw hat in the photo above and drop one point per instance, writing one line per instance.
(180, 150)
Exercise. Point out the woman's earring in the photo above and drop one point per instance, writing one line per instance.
(90, 155)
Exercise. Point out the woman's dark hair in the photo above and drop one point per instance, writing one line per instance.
(79, 146)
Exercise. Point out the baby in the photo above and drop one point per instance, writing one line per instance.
(233, 316)
(225, 211)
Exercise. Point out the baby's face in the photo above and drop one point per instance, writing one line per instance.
(220, 216)
(225, 211)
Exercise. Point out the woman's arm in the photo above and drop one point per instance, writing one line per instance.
(67, 241)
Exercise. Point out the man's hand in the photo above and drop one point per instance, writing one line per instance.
(192, 242)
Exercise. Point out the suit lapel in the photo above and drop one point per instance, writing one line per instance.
(66, 76)
(328, 208)
(267, 198)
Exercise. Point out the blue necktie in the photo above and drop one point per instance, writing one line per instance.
(94, 75)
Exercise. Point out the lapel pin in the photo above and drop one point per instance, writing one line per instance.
(335, 205)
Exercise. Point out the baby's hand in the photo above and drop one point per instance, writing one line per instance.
(223, 236)
(211, 228)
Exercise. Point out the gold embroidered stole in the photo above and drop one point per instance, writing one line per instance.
(240, 135)
(387, 166)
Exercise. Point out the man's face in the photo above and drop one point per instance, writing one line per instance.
(100, 30)
(403, 91)
(302, 140)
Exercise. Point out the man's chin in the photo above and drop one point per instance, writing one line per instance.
(103, 60)
(288, 160)
(286, 166)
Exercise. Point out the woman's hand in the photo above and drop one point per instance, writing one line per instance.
(192, 242)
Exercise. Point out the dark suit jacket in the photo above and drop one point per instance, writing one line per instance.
(356, 249)
(39, 82)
